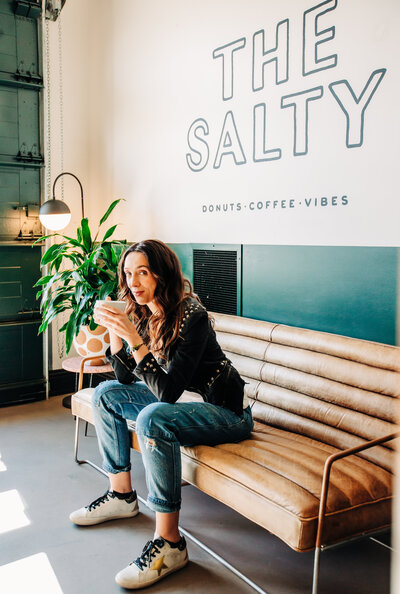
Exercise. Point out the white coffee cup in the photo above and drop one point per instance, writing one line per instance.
(121, 305)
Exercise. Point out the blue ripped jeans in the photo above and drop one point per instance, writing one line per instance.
(161, 429)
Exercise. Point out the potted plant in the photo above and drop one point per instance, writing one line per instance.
(79, 271)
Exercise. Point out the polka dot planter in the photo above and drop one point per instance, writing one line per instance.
(92, 342)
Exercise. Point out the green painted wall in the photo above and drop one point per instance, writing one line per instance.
(184, 251)
(344, 290)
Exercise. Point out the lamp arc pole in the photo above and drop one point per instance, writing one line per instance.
(80, 185)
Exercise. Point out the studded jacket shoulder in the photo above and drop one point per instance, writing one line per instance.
(195, 363)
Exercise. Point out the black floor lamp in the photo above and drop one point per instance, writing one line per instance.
(55, 215)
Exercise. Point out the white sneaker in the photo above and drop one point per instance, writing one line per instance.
(158, 559)
(105, 508)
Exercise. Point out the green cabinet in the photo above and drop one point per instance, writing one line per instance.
(19, 267)
(21, 349)
(20, 352)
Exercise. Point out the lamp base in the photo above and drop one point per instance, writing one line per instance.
(66, 402)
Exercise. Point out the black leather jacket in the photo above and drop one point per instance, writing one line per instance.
(195, 363)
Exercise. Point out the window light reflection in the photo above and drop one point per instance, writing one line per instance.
(3, 467)
(12, 514)
(32, 574)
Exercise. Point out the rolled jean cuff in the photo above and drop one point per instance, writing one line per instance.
(165, 507)
(112, 470)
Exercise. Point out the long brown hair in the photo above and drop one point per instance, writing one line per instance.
(160, 330)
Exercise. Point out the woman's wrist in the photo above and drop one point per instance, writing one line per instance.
(116, 343)
(134, 341)
(139, 350)
(136, 347)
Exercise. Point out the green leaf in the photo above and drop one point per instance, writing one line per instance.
(118, 248)
(92, 324)
(52, 253)
(70, 333)
(109, 211)
(59, 299)
(83, 303)
(44, 237)
(109, 232)
(79, 288)
(86, 237)
(73, 241)
(57, 263)
(42, 327)
(50, 317)
(106, 289)
(44, 280)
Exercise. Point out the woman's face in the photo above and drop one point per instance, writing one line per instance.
(140, 280)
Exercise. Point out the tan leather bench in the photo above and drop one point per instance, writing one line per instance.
(315, 398)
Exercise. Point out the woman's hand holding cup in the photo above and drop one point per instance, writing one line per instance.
(115, 320)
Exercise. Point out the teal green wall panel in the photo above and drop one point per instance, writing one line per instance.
(184, 251)
(344, 290)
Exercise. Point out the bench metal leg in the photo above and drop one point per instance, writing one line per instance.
(383, 544)
(92, 464)
(220, 559)
(317, 554)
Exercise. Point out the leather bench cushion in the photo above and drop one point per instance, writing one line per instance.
(275, 479)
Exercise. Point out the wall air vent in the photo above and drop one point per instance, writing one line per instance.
(216, 279)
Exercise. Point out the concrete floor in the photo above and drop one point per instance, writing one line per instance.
(46, 554)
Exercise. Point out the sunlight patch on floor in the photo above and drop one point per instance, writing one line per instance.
(12, 511)
(32, 574)
(3, 467)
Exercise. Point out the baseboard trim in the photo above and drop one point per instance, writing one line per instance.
(65, 382)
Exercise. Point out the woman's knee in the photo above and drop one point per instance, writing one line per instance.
(153, 416)
(101, 391)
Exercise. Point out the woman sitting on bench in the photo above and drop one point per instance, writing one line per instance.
(169, 346)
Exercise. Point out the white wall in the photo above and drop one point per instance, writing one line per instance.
(138, 73)
(86, 114)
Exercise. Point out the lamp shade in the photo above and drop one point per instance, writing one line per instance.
(54, 215)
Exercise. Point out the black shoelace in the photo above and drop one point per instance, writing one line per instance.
(150, 550)
(99, 501)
